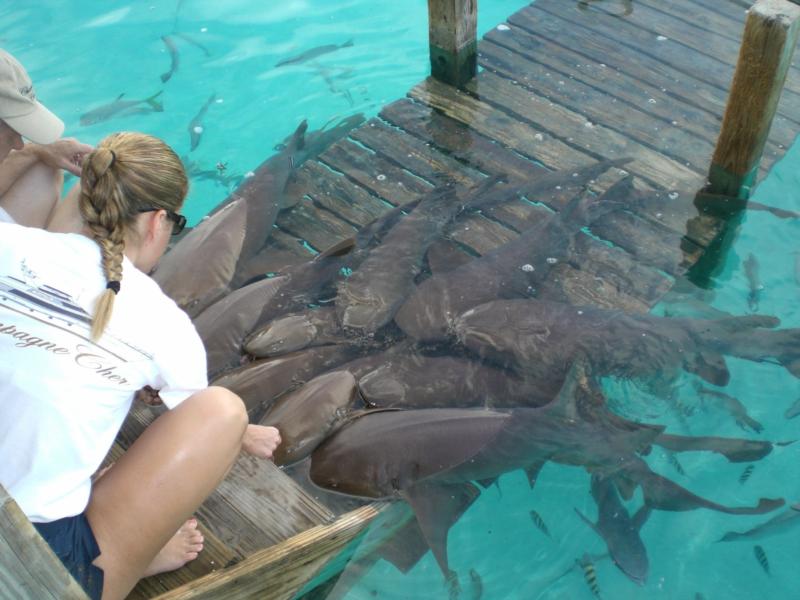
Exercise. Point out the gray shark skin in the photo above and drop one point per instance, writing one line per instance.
(121, 107)
(513, 270)
(539, 338)
(782, 523)
(416, 381)
(370, 297)
(262, 382)
(431, 457)
(619, 531)
(224, 325)
(307, 416)
(206, 264)
(313, 327)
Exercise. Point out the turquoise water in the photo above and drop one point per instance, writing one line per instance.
(82, 56)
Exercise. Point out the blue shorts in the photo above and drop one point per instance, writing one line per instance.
(72, 540)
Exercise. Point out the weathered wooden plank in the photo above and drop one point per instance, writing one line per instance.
(29, 569)
(255, 506)
(459, 140)
(561, 65)
(644, 79)
(215, 555)
(413, 154)
(768, 43)
(379, 176)
(319, 227)
(339, 195)
(722, 49)
(595, 139)
(453, 38)
(278, 572)
(479, 233)
(529, 141)
(267, 505)
(600, 107)
(603, 48)
(651, 245)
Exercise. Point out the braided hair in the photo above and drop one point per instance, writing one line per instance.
(124, 174)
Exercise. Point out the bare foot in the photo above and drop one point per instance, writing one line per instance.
(179, 550)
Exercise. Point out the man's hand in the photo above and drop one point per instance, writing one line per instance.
(148, 395)
(260, 440)
(67, 154)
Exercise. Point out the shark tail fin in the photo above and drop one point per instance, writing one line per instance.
(347, 44)
(154, 103)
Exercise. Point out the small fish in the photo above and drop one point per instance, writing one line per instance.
(748, 470)
(699, 596)
(761, 557)
(221, 167)
(539, 522)
(313, 53)
(195, 126)
(734, 406)
(589, 574)
(190, 40)
(120, 106)
(793, 410)
(673, 460)
(751, 272)
(174, 58)
(326, 75)
(477, 584)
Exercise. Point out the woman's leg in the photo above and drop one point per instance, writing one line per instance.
(66, 215)
(32, 197)
(137, 506)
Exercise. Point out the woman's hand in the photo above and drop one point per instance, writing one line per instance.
(261, 440)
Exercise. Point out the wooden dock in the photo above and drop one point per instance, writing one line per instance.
(562, 84)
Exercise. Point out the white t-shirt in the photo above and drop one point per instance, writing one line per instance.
(63, 398)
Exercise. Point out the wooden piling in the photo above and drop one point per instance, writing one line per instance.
(770, 36)
(277, 573)
(453, 28)
(29, 570)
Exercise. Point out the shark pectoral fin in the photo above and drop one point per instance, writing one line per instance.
(532, 472)
(792, 365)
(487, 483)
(641, 516)
(338, 249)
(588, 522)
(663, 494)
(437, 507)
(625, 485)
(734, 449)
(708, 365)
(405, 547)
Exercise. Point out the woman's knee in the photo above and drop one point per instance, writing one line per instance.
(222, 407)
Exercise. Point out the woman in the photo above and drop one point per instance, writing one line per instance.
(82, 328)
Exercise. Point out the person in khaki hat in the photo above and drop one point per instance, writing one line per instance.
(31, 175)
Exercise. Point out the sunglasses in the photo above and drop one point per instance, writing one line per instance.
(178, 221)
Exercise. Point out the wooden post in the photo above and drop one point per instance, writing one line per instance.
(29, 570)
(453, 27)
(770, 35)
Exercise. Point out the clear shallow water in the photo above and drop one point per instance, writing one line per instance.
(82, 57)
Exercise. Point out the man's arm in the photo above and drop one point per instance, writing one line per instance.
(64, 154)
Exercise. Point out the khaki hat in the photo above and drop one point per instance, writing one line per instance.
(19, 107)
